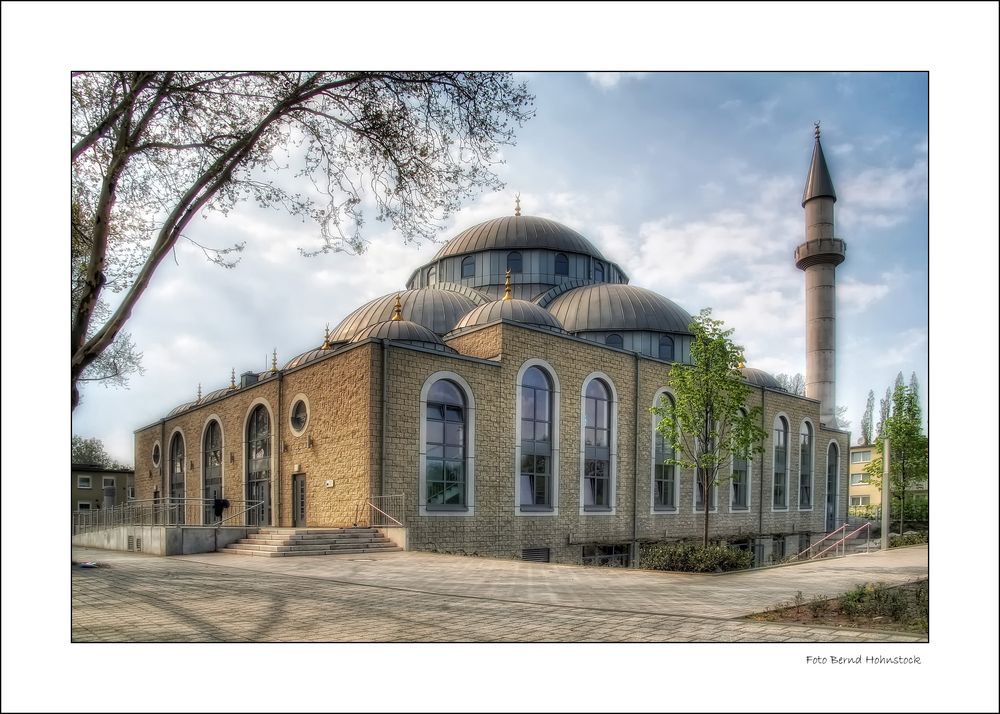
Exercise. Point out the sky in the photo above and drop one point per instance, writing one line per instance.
(691, 182)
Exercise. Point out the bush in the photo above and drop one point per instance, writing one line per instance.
(914, 538)
(692, 558)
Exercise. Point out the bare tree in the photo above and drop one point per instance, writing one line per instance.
(151, 150)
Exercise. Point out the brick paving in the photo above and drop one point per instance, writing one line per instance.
(422, 597)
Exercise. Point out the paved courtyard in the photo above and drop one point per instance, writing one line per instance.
(425, 597)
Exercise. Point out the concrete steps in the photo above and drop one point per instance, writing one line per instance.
(283, 542)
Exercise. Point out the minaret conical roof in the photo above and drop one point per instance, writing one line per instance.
(818, 182)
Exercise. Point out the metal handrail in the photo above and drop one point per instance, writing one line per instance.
(820, 541)
(380, 511)
(167, 511)
(845, 539)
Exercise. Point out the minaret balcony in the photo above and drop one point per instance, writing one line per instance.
(818, 252)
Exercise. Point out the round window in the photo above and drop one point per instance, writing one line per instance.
(300, 414)
(156, 454)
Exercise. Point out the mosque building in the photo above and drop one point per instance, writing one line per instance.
(500, 406)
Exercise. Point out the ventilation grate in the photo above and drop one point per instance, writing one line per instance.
(535, 555)
(138, 545)
(131, 542)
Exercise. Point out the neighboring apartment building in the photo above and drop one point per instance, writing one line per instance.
(95, 486)
(862, 491)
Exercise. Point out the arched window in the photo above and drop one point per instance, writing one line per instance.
(780, 495)
(176, 479)
(597, 447)
(445, 446)
(740, 494)
(667, 348)
(664, 475)
(514, 262)
(598, 271)
(536, 440)
(614, 341)
(469, 266)
(432, 275)
(562, 264)
(805, 466)
(212, 468)
(258, 467)
(832, 469)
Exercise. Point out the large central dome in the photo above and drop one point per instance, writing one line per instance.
(512, 232)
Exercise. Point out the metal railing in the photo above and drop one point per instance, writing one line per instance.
(168, 512)
(805, 554)
(380, 512)
(839, 547)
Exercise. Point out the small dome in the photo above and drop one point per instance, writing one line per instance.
(403, 331)
(522, 311)
(760, 378)
(180, 408)
(437, 310)
(307, 357)
(512, 232)
(215, 395)
(614, 307)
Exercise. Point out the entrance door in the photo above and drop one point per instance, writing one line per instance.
(832, 467)
(299, 500)
(259, 490)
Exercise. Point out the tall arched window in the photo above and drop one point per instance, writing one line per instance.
(832, 469)
(212, 468)
(536, 440)
(445, 446)
(469, 266)
(667, 348)
(514, 262)
(598, 271)
(562, 264)
(432, 275)
(740, 494)
(614, 341)
(258, 467)
(780, 496)
(664, 475)
(597, 447)
(805, 466)
(177, 479)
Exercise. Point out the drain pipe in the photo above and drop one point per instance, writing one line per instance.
(277, 461)
(635, 468)
(760, 500)
(385, 410)
(163, 456)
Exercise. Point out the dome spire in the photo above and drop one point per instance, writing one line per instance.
(818, 182)
(326, 338)
(232, 379)
(274, 361)
(517, 204)
(506, 287)
(199, 391)
(397, 311)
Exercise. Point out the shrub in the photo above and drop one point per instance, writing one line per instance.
(817, 606)
(693, 558)
(913, 538)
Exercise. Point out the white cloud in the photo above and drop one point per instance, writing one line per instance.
(880, 197)
(841, 149)
(900, 349)
(854, 296)
(610, 80)
(730, 104)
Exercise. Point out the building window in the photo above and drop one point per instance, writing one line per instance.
(778, 549)
(860, 457)
(862, 477)
(780, 498)
(664, 474)
(432, 275)
(212, 468)
(598, 271)
(667, 348)
(740, 494)
(615, 556)
(536, 440)
(597, 449)
(514, 262)
(445, 446)
(258, 466)
(562, 264)
(860, 500)
(156, 454)
(83, 482)
(614, 341)
(805, 466)
(469, 267)
(177, 466)
(299, 417)
(108, 482)
(699, 494)
(83, 505)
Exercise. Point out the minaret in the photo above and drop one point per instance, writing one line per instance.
(819, 257)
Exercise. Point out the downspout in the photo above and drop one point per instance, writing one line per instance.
(635, 469)
(385, 414)
(760, 500)
(163, 455)
(277, 491)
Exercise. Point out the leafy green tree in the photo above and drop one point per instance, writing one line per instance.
(866, 420)
(708, 423)
(908, 447)
(152, 150)
(91, 451)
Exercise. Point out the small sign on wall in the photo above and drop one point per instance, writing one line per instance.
(329, 483)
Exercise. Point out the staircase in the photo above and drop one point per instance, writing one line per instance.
(279, 542)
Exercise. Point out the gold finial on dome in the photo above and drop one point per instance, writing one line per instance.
(232, 379)
(742, 365)
(397, 311)
(816, 125)
(274, 361)
(517, 204)
(326, 338)
(506, 287)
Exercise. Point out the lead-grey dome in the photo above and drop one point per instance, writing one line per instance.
(613, 307)
(437, 310)
(180, 408)
(403, 331)
(512, 232)
(522, 311)
(307, 357)
(760, 378)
